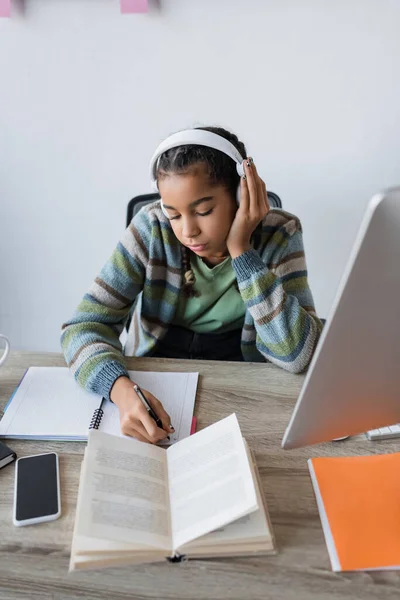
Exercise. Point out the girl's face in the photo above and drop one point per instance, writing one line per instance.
(200, 212)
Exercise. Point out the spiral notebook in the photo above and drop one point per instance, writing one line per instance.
(48, 404)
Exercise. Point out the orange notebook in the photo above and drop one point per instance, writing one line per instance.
(358, 499)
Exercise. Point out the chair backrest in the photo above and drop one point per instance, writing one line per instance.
(137, 202)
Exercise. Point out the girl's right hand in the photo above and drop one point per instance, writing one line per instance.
(135, 420)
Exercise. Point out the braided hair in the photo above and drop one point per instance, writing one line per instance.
(221, 169)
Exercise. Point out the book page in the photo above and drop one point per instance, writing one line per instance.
(176, 392)
(124, 496)
(86, 545)
(94, 552)
(250, 527)
(210, 481)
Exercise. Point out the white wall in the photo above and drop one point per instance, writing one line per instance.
(86, 94)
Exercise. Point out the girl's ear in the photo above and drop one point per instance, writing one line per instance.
(238, 195)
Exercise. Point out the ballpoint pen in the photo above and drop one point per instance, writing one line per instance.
(148, 407)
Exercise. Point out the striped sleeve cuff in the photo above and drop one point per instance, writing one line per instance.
(107, 376)
(247, 264)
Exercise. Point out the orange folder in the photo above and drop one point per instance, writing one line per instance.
(358, 499)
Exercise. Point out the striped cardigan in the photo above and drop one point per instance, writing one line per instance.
(280, 325)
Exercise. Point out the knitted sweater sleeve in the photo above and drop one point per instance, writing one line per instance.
(280, 301)
(90, 339)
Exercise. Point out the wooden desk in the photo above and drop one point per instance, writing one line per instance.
(34, 560)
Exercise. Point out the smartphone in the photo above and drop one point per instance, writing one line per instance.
(37, 489)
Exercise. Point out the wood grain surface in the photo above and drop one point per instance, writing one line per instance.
(34, 559)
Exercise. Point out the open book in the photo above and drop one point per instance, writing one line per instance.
(140, 503)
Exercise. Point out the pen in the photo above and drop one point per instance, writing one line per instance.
(148, 407)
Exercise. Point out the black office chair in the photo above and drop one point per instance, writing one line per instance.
(137, 202)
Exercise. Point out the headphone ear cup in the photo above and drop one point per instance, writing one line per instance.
(155, 189)
(164, 210)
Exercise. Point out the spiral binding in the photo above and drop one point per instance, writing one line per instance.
(96, 419)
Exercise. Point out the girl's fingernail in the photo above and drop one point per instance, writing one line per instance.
(251, 160)
(172, 428)
(248, 163)
(244, 177)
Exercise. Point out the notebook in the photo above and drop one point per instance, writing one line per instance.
(358, 499)
(49, 405)
(139, 503)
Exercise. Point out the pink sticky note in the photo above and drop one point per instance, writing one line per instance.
(5, 8)
(133, 6)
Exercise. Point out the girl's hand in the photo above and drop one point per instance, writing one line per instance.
(254, 206)
(135, 420)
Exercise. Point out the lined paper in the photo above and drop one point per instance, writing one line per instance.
(49, 404)
(176, 391)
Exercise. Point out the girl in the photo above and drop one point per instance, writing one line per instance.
(212, 280)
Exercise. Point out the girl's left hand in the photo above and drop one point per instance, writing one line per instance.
(254, 206)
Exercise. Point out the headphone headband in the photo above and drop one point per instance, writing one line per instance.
(197, 137)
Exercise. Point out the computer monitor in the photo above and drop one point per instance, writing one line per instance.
(353, 382)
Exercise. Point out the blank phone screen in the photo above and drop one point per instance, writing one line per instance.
(37, 490)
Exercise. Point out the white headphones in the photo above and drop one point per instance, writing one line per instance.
(198, 137)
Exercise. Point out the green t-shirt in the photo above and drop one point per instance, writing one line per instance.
(219, 307)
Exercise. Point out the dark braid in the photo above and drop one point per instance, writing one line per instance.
(221, 169)
(189, 279)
